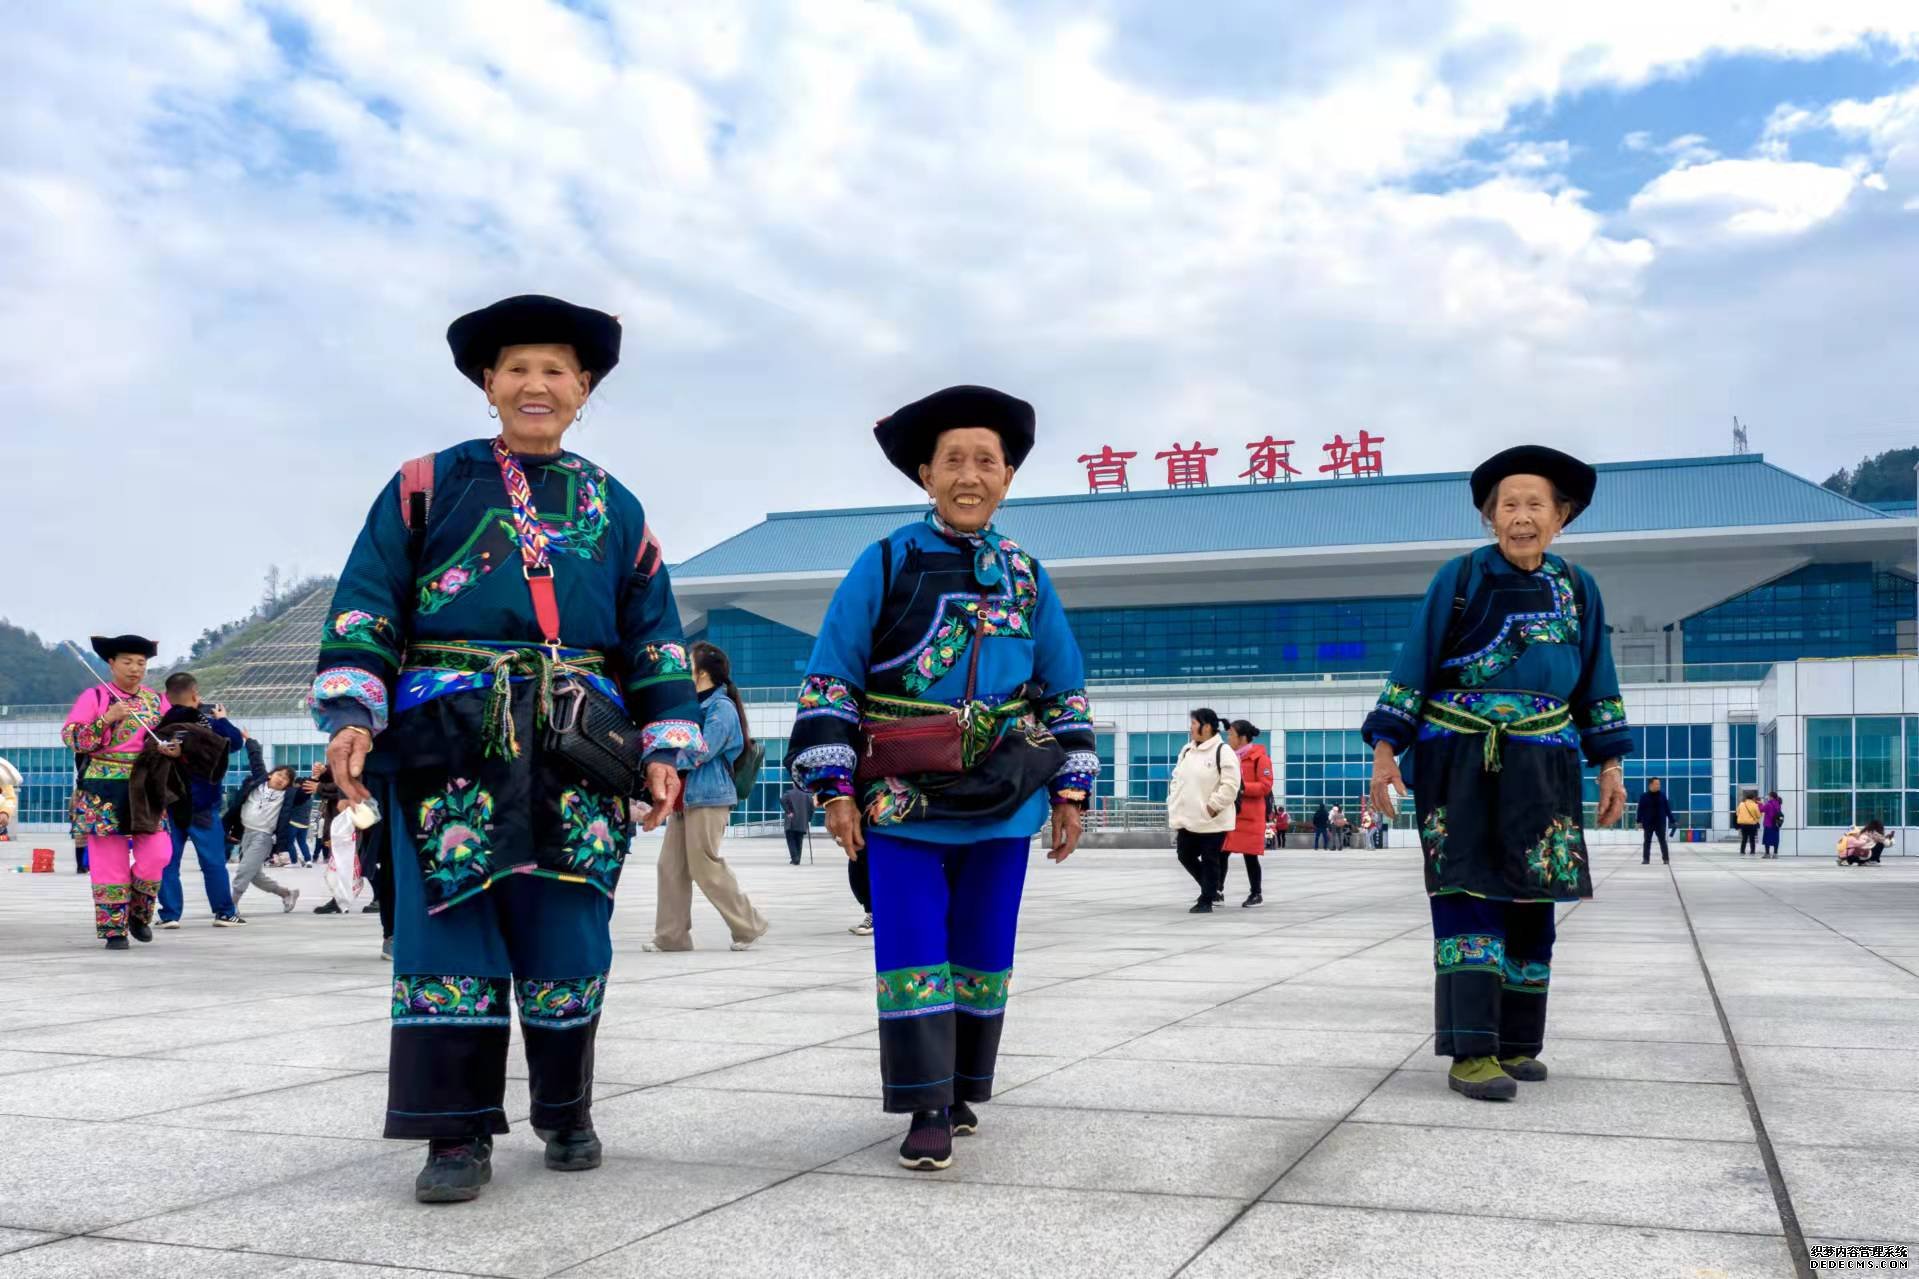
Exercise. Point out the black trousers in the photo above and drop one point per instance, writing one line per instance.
(380, 874)
(861, 880)
(1645, 853)
(1253, 869)
(795, 841)
(1199, 854)
(1748, 839)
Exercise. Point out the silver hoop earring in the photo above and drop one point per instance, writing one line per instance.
(493, 410)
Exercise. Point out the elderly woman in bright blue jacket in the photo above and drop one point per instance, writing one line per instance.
(691, 853)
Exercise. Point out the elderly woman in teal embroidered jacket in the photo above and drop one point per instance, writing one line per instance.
(483, 573)
(1506, 677)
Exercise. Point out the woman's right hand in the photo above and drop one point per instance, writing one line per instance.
(117, 712)
(346, 755)
(1385, 779)
(843, 824)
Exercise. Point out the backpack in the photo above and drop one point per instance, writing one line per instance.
(746, 770)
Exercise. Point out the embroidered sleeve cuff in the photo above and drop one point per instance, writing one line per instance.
(1075, 780)
(825, 771)
(828, 697)
(672, 737)
(1066, 711)
(349, 683)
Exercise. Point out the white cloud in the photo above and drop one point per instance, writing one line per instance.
(1741, 198)
(808, 214)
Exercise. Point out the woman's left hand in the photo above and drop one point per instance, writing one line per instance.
(1068, 825)
(1612, 794)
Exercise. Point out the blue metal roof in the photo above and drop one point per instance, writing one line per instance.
(1673, 493)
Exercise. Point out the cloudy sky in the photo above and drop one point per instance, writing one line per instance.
(232, 234)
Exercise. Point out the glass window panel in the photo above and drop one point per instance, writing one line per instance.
(1829, 753)
(1829, 808)
(1878, 742)
(1702, 741)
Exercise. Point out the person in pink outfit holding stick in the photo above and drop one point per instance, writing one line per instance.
(109, 725)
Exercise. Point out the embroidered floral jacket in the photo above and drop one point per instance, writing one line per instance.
(901, 626)
(467, 588)
(1542, 632)
(111, 748)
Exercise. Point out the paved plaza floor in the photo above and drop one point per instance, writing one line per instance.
(1734, 1047)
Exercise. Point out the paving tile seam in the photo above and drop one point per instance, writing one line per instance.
(1550, 1132)
(1287, 1171)
(1775, 1175)
(1829, 928)
(1509, 1216)
(885, 1175)
(290, 1256)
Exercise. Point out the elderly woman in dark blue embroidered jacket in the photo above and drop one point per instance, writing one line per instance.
(458, 613)
(1506, 676)
(947, 851)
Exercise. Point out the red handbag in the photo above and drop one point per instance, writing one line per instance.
(921, 743)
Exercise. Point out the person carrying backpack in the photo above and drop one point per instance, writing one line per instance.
(691, 853)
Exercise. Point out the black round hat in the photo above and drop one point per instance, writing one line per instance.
(907, 436)
(111, 646)
(1567, 473)
(477, 336)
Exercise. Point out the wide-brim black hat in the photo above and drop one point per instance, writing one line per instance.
(1568, 474)
(534, 319)
(908, 435)
(111, 646)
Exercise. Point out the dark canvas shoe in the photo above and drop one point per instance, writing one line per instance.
(119, 943)
(327, 908)
(139, 931)
(455, 1170)
(929, 1144)
(1201, 908)
(574, 1151)
(1527, 1070)
(1481, 1079)
(965, 1122)
(1255, 900)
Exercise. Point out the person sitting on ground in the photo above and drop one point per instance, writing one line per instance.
(1862, 845)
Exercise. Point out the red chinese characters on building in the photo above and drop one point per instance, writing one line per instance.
(1106, 470)
(1271, 460)
(1362, 458)
(1186, 467)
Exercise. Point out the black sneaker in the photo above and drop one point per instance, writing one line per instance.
(1201, 908)
(965, 1122)
(119, 943)
(929, 1143)
(228, 921)
(574, 1151)
(1255, 900)
(1218, 896)
(139, 932)
(455, 1170)
(371, 908)
(327, 908)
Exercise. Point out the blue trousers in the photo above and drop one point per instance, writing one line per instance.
(545, 941)
(1492, 963)
(210, 846)
(944, 919)
(298, 850)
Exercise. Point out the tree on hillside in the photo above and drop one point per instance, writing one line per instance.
(1885, 478)
(33, 673)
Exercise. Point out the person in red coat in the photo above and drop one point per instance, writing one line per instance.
(1255, 786)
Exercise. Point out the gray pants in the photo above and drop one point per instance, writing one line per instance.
(255, 847)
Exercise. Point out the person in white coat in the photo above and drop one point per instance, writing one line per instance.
(1199, 804)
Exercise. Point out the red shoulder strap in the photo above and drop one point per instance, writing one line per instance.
(416, 479)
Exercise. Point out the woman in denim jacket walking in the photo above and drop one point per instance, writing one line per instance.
(691, 853)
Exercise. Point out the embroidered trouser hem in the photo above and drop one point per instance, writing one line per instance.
(944, 919)
(1493, 963)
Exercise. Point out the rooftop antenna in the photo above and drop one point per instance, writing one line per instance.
(1740, 444)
